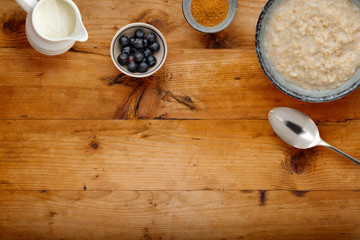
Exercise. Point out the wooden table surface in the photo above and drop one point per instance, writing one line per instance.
(188, 153)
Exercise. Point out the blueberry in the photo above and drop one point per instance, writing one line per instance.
(154, 47)
(151, 60)
(139, 43)
(146, 43)
(147, 52)
(151, 37)
(123, 59)
(139, 33)
(131, 58)
(143, 67)
(124, 40)
(139, 56)
(138, 50)
(132, 67)
(144, 60)
(132, 41)
(126, 50)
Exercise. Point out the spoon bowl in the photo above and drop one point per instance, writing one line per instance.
(294, 127)
(298, 130)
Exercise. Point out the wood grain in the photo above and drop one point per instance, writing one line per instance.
(179, 215)
(170, 155)
(208, 167)
(79, 85)
(205, 76)
(104, 20)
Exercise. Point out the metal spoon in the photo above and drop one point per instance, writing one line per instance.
(298, 130)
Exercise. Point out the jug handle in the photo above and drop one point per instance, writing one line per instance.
(27, 5)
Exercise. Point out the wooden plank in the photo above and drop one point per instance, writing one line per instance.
(104, 20)
(79, 85)
(179, 215)
(170, 155)
(38, 86)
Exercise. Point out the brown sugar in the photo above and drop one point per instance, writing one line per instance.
(209, 13)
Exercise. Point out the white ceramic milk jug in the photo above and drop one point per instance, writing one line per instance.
(53, 26)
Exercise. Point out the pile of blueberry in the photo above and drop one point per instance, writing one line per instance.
(137, 51)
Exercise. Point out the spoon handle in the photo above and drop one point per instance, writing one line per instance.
(325, 144)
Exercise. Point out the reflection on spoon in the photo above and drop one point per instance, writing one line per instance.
(294, 127)
(298, 130)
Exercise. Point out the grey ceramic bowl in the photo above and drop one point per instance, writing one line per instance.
(186, 4)
(129, 31)
(288, 88)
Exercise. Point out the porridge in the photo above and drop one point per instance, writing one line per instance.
(314, 44)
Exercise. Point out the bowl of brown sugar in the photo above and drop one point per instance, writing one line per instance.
(209, 16)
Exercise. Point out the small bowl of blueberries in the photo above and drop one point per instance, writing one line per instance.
(138, 50)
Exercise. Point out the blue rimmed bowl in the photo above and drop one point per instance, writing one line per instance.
(288, 88)
(129, 30)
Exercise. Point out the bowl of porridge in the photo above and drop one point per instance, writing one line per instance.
(310, 50)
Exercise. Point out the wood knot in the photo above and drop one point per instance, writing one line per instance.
(94, 145)
(168, 96)
(157, 18)
(13, 23)
(147, 234)
(298, 160)
(262, 197)
(52, 213)
(95, 177)
(120, 79)
(219, 40)
(299, 193)
(156, 22)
